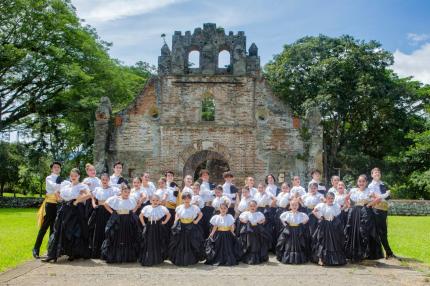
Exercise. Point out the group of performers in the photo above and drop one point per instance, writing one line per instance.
(222, 225)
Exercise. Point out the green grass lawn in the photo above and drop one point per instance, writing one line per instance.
(408, 236)
(18, 230)
(10, 195)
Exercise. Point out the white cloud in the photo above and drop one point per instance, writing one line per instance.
(417, 38)
(108, 10)
(416, 64)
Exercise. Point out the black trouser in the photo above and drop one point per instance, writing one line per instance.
(48, 222)
(381, 228)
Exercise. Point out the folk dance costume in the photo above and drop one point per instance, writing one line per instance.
(47, 211)
(282, 202)
(299, 192)
(137, 195)
(254, 238)
(99, 218)
(122, 232)
(223, 248)
(328, 239)
(241, 207)
(71, 233)
(293, 242)
(116, 181)
(340, 199)
(310, 201)
(321, 187)
(230, 191)
(361, 238)
(208, 210)
(380, 210)
(155, 236)
(186, 245)
(264, 201)
(92, 183)
(148, 191)
(169, 197)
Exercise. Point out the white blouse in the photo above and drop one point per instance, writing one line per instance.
(188, 190)
(298, 189)
(51, 184)
(283, 199)
(148, 191)
(243, 204)
(328, 212)
(114, 181)
(294, 218)
(103, 194)
(198, 201)
(154, 214)
(118, 203)
(137, 194)
(92, 183)
(272, 189)
(253, 218)
(206, 194)
(187, 213)
(70, 192)
(217, 201)
(263, 199)
(340, 199)
(358, 196)
(310, 201)
(219, 220)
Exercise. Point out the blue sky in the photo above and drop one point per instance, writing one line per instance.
(134, 26)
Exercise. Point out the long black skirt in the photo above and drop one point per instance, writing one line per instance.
(361, 239)
(154, 243)
(121, 242)
(278, 223)
(293, 245)
(207, 212)
(328, 241)
(269, 224)
(223, 249)
(97, 224)
(256, 242)
(186, 245)
(312, 222)
(70, 236)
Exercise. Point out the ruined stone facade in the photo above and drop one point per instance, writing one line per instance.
(253, 132)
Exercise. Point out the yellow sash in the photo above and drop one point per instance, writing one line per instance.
(293, 224)
(49, 198)
(223, 228)
(170, 205)
(186, 220)
(382, 205)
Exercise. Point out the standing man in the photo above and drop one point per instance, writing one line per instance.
(48, 210)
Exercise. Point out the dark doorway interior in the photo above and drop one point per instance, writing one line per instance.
(216, 169)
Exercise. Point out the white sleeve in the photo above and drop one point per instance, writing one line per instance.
(243, 216)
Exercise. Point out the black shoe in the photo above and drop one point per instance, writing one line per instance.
(49, 259)
(36, 253)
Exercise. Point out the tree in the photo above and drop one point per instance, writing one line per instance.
(366, 109)
(9, 155)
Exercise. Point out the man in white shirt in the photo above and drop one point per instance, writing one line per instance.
(230, 190)
(48, 210)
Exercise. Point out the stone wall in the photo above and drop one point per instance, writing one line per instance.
(409, 207)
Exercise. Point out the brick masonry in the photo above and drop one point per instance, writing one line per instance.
(254, 133)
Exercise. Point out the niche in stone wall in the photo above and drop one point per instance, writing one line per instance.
(224, 60)
(208, 107)
(194, 60)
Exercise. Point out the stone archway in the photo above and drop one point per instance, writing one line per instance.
(215, 162)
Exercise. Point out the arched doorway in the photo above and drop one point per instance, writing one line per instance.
(210, 160)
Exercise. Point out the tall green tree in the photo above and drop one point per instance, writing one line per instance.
(366, 109)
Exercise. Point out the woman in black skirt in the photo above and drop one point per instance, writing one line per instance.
(266, 203)
(100, 215)
(340, 199)
(362, 240)
(70, 235)
(293, 242)
(283, 205)
(242, 206)
(222, 246)
(254, 237)
(122, 229)
(310, 200)
(155, 234)
(186, 245)
(328, 239)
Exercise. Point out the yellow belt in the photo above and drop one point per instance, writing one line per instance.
(170, 205)
(311, 207)
(186, 220)
(122, 212)
(383, 206)
(293, 224)
(361, 203)
(223, 228)
(49, 198)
